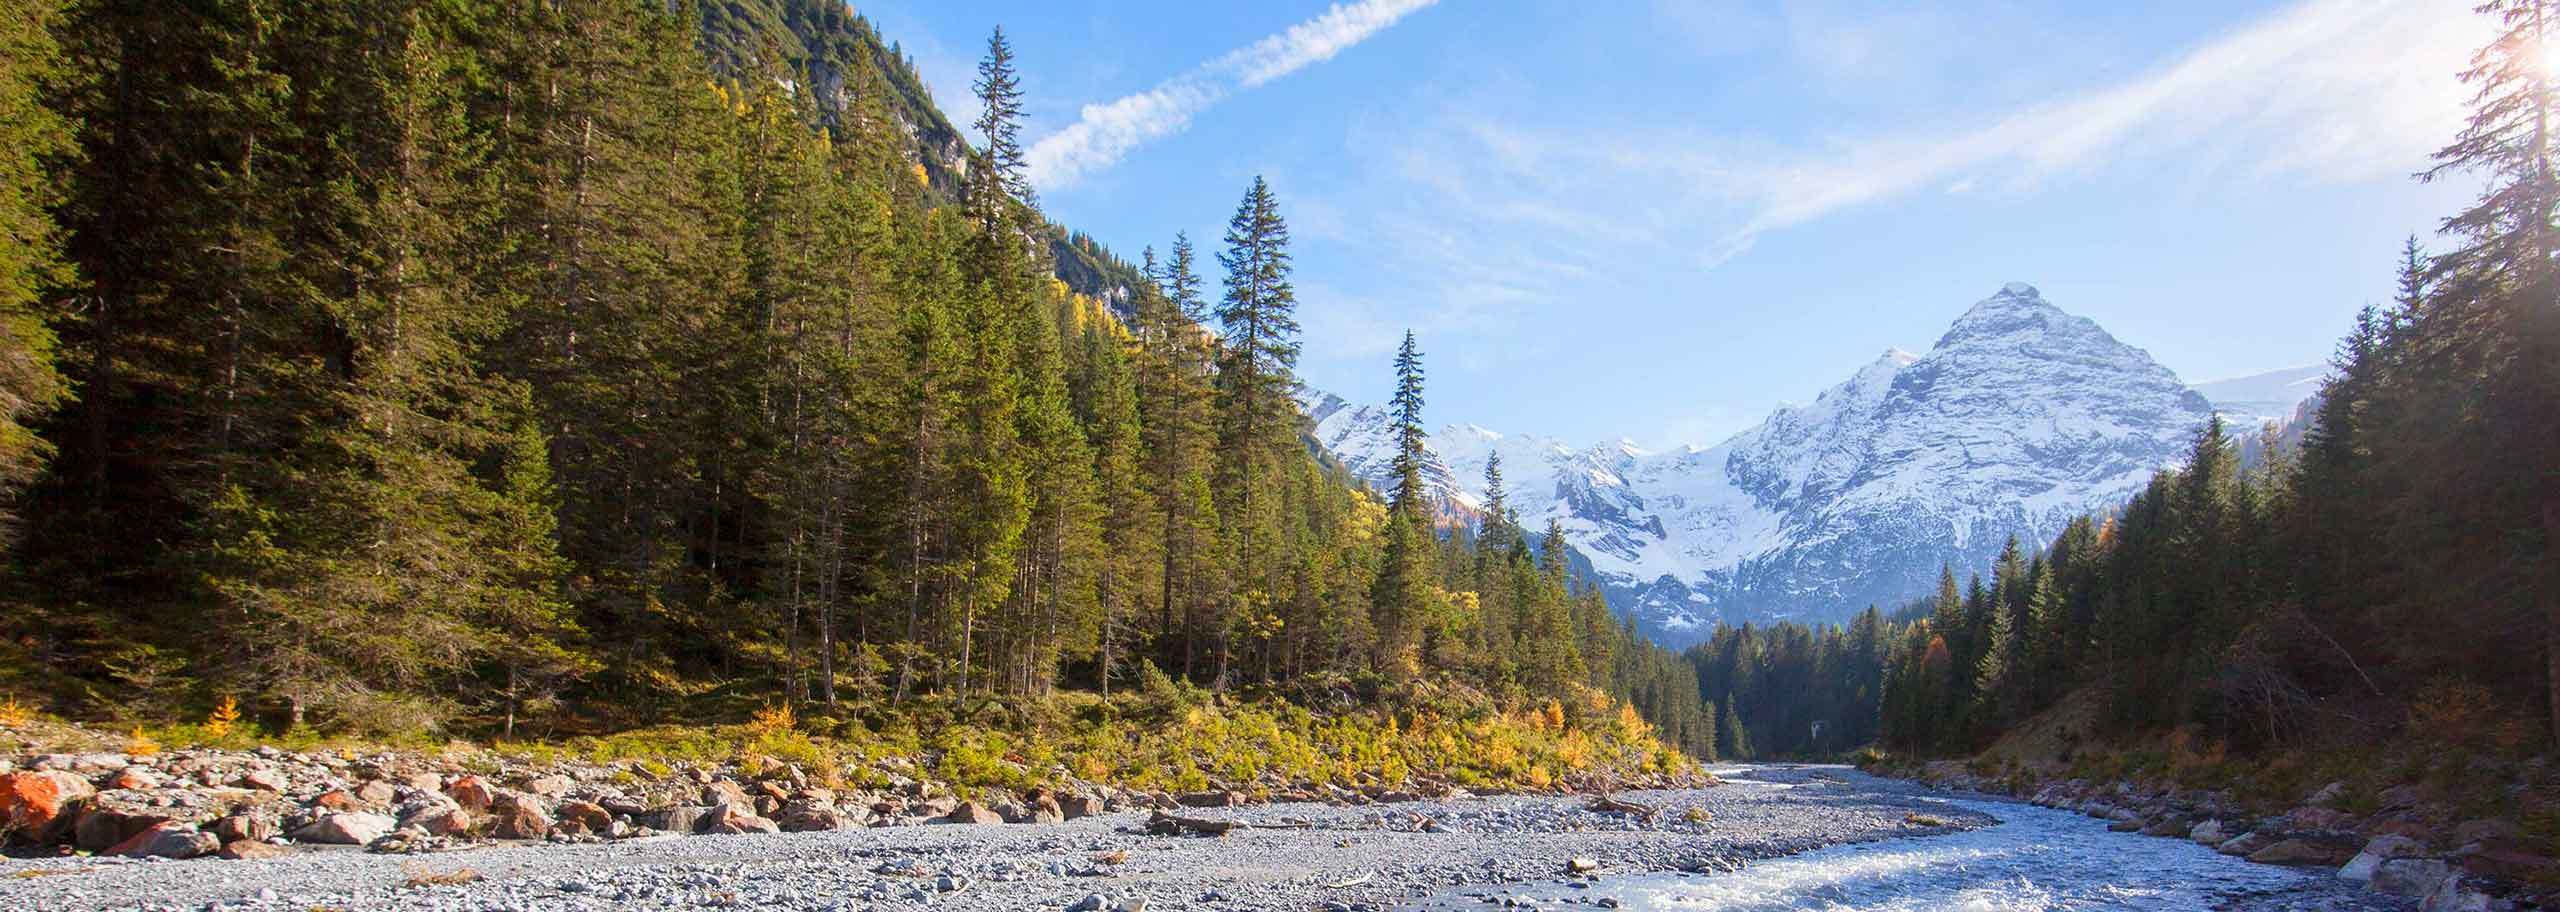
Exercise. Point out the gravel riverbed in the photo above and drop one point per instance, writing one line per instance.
(1289, 856)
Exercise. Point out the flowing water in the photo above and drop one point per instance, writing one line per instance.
(2034, 859)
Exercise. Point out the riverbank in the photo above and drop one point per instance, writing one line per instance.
(2397, 842)
(1285, 855)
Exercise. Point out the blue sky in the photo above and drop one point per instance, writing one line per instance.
(1659, 220)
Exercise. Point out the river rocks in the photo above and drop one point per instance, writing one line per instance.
(134, 778)
(547, 786)
(2303, 851)
(2208, 833)
(34, 804)
(722, 792)
(2313, 817)
(345, 828)
(587, 815)
(1079, 805)
(682, 818)
(2172, 825)
(516, 815)
(972, 812)
(439, 819)
(377, 793)
(804, 817)
(167, 840)
(1216, 798)
(2471, 831)
(2380, 849)
(2412, 877)
(249, 850)
(249, 827)
(472, 793)
(735, 818)
(261, 779)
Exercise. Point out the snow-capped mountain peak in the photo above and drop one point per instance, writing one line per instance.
(2019, 418)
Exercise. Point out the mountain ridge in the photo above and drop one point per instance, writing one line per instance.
(1858, 497)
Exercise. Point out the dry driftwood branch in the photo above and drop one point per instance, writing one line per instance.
(1603, 803)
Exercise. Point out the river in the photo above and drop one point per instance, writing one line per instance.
(2034, 859)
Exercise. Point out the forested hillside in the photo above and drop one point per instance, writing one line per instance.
(499, 367)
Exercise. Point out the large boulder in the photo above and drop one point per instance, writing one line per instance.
(2305, 852)
(2209, 833)
(472, 793)
(1042, 807)
(810, 817)
(1080, 805)
(722, 791)
(442, 818)
(109, 818)
(682, 818)
(37, 805)
(972, 812)
(345, 828)
(2412, 877)
(735, 818)
(2360, 869)
(587, 815)
(248, 827)
(516, 815)
(548, 786)
(168, 840)
(250, 850)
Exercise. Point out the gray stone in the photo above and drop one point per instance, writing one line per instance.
(2411, 877)
(2380, 849)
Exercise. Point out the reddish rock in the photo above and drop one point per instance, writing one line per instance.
(168, 840)
(262, 779)
(547, 786)
(336, 800)
(587, 814)
(101, 829)
(377, 793)
(722, 791)
(237, 827)
(734, 818)
(439, 820)
(1074, 806)
(251, 849)
(810, 818)
(472, 792)
(134, 778)
(972, 812)
(515, 815)
(34, 805)
(1042, 807)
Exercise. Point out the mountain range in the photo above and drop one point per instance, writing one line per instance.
(2019, 418)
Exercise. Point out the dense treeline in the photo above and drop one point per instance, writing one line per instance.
(2394, 568)
(501, 362)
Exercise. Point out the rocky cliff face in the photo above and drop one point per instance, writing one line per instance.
(2021, 417)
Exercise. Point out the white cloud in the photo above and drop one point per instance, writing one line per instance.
(1103, 133)
(2324, 91)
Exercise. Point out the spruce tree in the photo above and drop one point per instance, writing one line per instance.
(35, 142)
(1258, 418)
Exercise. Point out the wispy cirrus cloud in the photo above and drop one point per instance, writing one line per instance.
(2325, 90)
(1104, 133)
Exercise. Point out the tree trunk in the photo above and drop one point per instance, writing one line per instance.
(2551, 602)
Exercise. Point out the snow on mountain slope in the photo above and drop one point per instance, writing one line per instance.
(2256, 399)
(2018, 419)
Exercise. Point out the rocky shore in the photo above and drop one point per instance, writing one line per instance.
(2409, 846)
(1100, 851)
